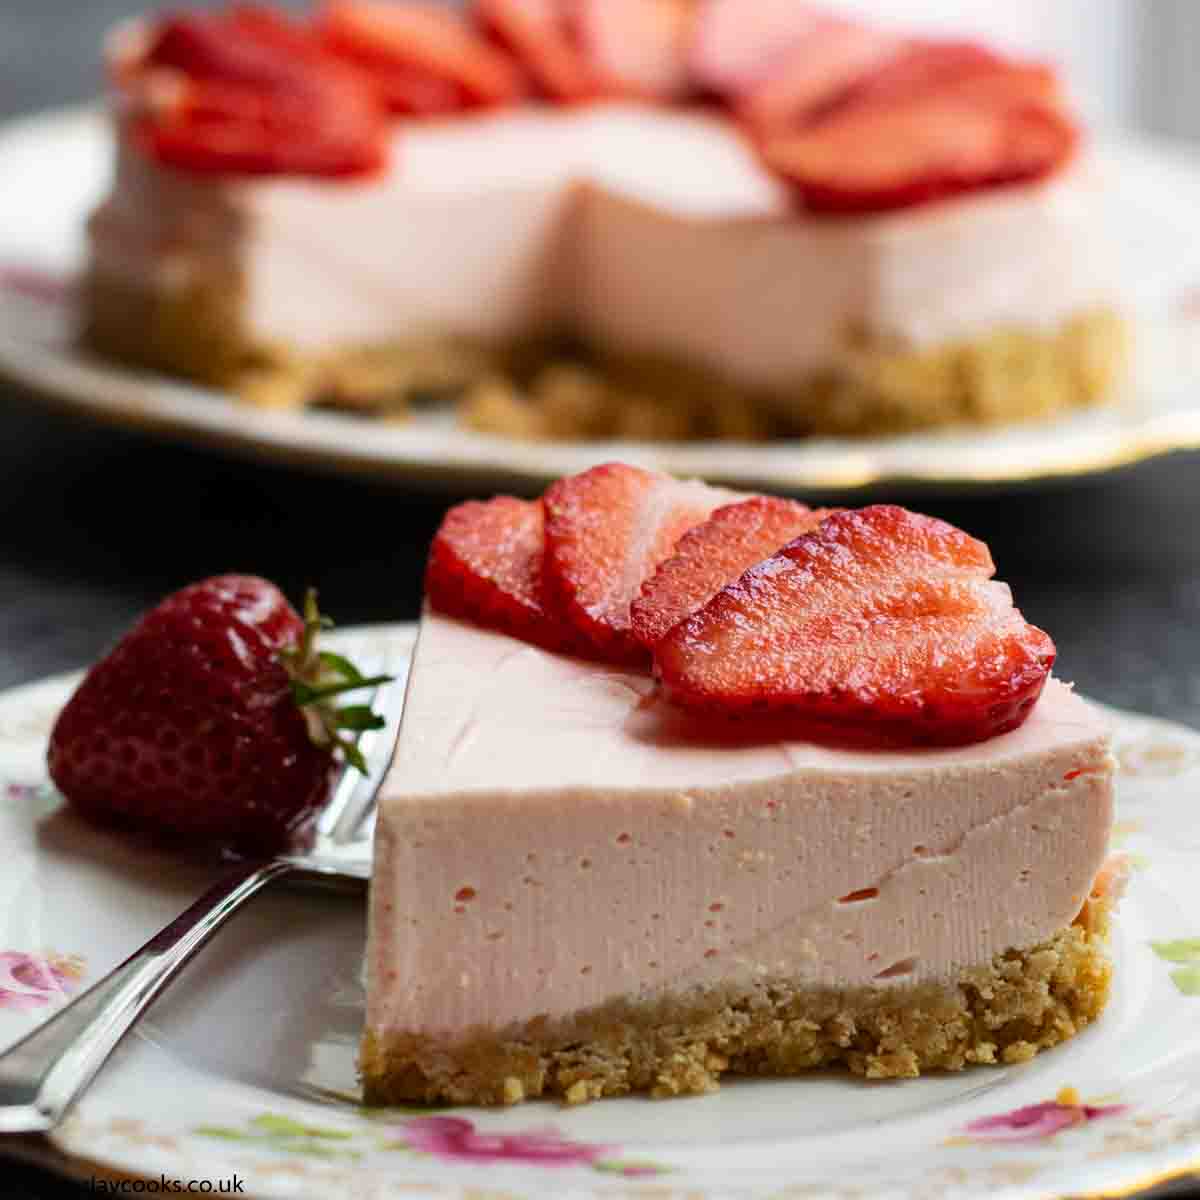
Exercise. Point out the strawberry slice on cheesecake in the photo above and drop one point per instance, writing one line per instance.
(712, 555)
(541, 34)
(252, 93)
(879, 624)
(430, 40)
(638, 47)
(606, 532)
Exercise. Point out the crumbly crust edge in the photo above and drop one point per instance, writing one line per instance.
(544, 392)
(1023, 1002)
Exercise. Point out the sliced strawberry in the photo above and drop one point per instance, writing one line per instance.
(406, 91)
(538, 32)
(638, 47)
(1011, 85)
(924, 68)
(219, 46)
(485, 565)
(403, 41)
(219, 128)
(881, 627)
(607, 530)
(875, 158)
(417, 93)
(270, 27)
(713, 555)
(738, 43)
(833, 60)
(256, 94)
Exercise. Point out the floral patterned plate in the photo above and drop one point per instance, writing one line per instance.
(56, 166)
(244, 1070)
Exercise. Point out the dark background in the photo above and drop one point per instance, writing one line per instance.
(95, 525)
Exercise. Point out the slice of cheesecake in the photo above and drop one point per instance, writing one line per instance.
(582, 889)
(574, 897)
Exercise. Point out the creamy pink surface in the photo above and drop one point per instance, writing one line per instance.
(550, 838)
(645, 229)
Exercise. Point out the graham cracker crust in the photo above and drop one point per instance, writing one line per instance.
(871, 387)
(552, 390)
(195, 332)
(1023, 1002)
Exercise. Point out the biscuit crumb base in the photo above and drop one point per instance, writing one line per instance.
(542, 391)
(1023, 1002)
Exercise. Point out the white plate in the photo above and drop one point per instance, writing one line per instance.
(246, 1066)
(55, 167)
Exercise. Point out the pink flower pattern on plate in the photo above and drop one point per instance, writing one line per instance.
(1037, 1122)
(29, 981)
(457, 1139)
(34, 284)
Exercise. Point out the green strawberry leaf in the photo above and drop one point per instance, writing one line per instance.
(353, 755)
(339, 664)
(310, 694)
(359, 717)
(316, 678)
(306, 693)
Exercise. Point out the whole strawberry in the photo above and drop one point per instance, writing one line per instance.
(192, 727)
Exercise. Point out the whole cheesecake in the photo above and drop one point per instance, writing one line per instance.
(590, 879)
(722, 262)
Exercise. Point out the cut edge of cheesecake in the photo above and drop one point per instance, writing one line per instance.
(532, 391)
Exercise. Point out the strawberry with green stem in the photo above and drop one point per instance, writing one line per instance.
(214, 720)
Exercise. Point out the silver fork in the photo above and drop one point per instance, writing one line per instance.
(47, 1071)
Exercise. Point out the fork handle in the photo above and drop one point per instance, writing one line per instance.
(44, 1073)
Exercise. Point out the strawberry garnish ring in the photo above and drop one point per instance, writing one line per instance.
(318, 678)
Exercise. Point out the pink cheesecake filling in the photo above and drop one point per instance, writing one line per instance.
(534, 793)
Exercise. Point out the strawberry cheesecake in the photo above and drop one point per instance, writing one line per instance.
(692, 783)
(656, 219)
